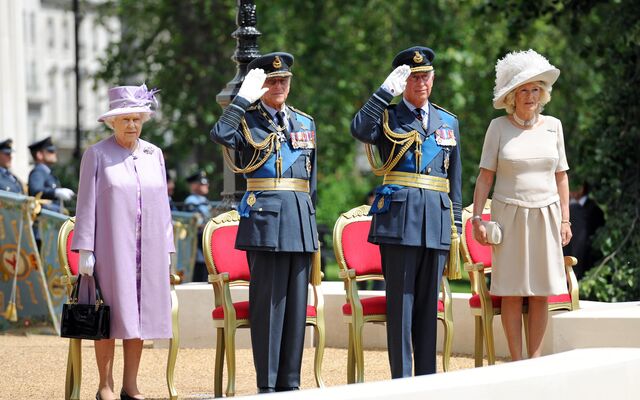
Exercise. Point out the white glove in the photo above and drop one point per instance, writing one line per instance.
(397, 80)
(251, 89)
(64, 194)
(87, 262)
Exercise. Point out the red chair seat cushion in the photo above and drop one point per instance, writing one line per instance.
(563, 298)
(377, 305)
(474, 301)
(242, 311)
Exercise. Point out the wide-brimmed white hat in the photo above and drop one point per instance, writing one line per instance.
(130, 99)
(518, 68)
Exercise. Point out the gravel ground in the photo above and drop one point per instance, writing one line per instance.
(34, 367)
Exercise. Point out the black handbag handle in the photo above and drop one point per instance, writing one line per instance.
(76, 289)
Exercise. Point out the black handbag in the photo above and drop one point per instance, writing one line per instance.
(85, 321)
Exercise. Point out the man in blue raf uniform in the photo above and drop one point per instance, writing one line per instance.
(8, 181)
(417, 210)
(198, 202)
(41, 180)
(276, 145)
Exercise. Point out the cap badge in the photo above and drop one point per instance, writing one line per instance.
(277, 63)
(417, 57)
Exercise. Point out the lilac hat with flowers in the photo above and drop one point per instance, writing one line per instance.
(130, 99)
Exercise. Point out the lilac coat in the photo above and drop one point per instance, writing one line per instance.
(106, 224)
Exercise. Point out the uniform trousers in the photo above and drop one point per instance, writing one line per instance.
(277, 312)
(412, 275)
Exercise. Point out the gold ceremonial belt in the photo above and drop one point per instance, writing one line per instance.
(421, 181)
(292, 184)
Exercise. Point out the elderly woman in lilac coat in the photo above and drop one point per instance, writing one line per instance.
(124, 235)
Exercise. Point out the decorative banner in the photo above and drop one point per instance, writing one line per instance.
(49, 223)
(24, 294)
(185, 236)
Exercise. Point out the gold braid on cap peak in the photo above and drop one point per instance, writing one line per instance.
(406, 140)
(256, 162)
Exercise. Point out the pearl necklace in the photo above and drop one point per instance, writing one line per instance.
(526, 123)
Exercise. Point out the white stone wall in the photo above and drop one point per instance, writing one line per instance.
(49, 60)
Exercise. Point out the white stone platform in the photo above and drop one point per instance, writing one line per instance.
(594, 325)
(584, 374)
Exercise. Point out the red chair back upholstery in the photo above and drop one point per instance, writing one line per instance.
(226, 257)
(477, 252)
(359, 254)
(72, 256)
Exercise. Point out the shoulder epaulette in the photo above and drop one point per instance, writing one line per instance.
(443, 109)
(300, 112)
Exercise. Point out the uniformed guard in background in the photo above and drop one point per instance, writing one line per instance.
(198, 202)
(277, 150)
(417, 210)
(41, 180)
(8, 181)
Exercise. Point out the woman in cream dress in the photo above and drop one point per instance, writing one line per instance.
(524, 152)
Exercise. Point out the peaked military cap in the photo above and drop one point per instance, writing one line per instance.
(274, 64)
(5, 146)
(44, 144)
(419, 58)
(198, 177)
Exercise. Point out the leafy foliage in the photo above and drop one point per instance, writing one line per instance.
(343, 53)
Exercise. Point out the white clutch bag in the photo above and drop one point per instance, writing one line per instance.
(494, 232)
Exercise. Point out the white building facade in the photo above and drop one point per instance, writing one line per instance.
(44, 33)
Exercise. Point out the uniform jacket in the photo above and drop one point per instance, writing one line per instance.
(106, 224)
(198, 203)
(416, 217)
(41, 180)
(279, 220)
(9, 181)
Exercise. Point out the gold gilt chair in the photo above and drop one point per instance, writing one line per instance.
(228, 267)
(484, 306)
(69, 261)
(360, 261)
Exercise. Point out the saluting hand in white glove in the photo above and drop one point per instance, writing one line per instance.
(64, 194)
(87, 262)
(251, 89)
(397, 80)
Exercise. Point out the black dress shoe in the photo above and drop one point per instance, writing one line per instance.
(125, 396)
(287, 389)
(266, 390)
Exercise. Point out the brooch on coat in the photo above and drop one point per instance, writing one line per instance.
(148, 150)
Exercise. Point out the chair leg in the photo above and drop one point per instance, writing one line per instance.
(317, 362)
(351, 368)
(219, 366)
(230, 353)
(358, 352)
(479, 339)
(525, 324)
(487, 323)
(74, 370)
(174, 345)
(447, 344)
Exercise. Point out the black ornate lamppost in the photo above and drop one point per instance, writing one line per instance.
(246, 50)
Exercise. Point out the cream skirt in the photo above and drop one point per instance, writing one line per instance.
(529, 261)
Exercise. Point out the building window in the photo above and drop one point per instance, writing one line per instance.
(50, 33)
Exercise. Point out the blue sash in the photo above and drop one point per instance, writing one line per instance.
(430, 150)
